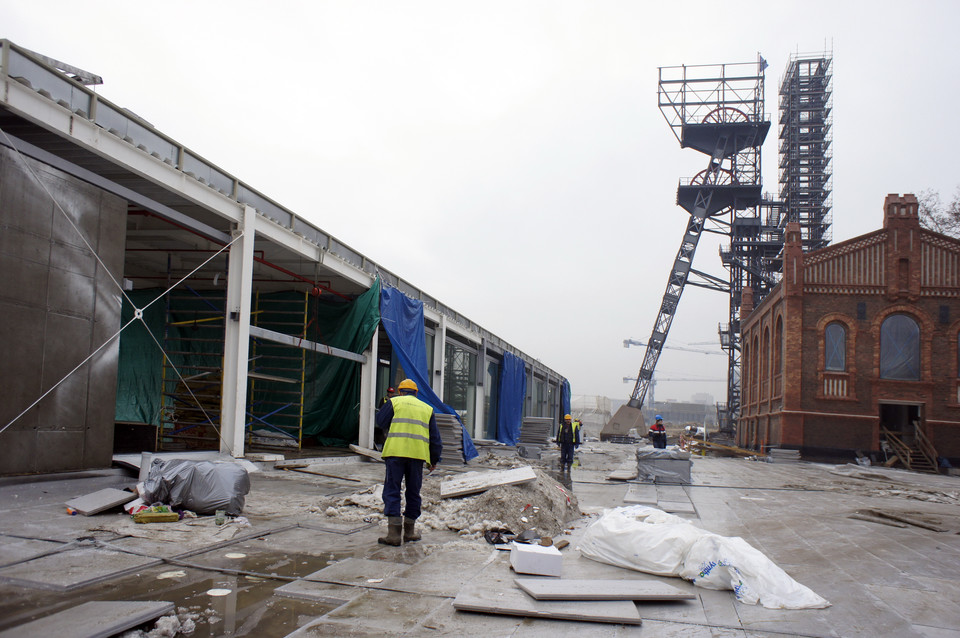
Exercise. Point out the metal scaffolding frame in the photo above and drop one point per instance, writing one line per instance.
(806, 122)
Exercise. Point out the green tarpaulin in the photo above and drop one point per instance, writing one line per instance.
(190, 326)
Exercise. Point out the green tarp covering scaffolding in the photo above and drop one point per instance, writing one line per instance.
(293, 394)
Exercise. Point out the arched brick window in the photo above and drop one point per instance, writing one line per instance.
(778, 347)
(835, 347)
(900, 348)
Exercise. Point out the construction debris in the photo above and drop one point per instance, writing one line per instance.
(474, 482)
(101, 501)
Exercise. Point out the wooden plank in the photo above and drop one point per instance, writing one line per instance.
(101, 501)
(514, 602)
(93, 619)
(474, 482)
(574, 589)
(370, 454)
(307, 470)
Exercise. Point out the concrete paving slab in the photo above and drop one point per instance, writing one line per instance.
(100, 501)
(929, 608)
(356, 572)
(387, 612)
(582, 589)
(93, 619)
(444, 573)
(641, 494)
(513, 602)
(673, 507)
(75, 568)
(13, 549)
(318, 592)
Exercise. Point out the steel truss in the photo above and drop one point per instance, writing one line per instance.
(717, 110)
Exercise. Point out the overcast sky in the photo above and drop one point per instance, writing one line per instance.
(509, 158)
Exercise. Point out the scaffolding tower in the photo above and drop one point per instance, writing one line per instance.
(806, 123)
(717, 110)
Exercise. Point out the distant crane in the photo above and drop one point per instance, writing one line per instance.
(633, 342)
(653, 382)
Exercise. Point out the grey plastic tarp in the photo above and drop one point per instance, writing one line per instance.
(199, 486)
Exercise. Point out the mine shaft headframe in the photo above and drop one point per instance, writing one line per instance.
(721, 95)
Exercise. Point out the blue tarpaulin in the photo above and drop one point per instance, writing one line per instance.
(402, 319)
(564, 399)
(513, 392)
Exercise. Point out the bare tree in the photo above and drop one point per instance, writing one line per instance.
(939, 216)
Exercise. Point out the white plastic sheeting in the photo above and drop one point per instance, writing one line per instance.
(649, 540)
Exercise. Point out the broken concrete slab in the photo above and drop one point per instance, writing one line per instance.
(94, 619)
(513, 602)
(288, 464)
(627, 471)
(100, 501)
(474, 482)
(582, 589)
(355, 571)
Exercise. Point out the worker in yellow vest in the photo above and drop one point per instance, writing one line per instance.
(412, 439)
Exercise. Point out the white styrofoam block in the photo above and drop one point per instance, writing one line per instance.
(536, 559)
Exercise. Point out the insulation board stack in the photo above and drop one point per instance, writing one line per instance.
(535, 430)
(784, 456)
(452, 434)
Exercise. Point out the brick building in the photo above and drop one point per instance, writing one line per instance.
(857, 347)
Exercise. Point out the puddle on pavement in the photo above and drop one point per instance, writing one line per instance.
(250, 608)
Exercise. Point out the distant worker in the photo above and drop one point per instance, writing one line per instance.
(578, 428)
(383, 400)
(658, 434)
(412, 439)
(567, 437)
(379, 436)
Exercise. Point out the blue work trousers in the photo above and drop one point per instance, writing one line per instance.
(402, 469)
(566, 453)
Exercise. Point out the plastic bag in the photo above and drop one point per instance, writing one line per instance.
(199, 486)
(649, 540)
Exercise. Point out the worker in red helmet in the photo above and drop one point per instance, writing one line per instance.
(412, 439)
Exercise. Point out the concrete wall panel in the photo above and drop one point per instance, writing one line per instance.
(57, 305)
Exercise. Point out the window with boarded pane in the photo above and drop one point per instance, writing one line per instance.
(900, 348)
(835, 347)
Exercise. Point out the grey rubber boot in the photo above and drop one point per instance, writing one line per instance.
(410, 532)
(394, 525)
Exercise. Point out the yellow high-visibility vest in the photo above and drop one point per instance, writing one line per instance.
(409, 434)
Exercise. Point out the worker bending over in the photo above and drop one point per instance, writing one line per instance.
(412, 439)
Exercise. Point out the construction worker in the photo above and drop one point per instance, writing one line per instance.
(412, 440)
(578, 428)
(383, 400)
(658, 434)
(567, 438)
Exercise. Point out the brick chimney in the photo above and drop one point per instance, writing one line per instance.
(901, 220)
(792, 260)
(901, 212)
(746, 302)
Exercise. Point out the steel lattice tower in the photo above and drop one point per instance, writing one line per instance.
(717, 110)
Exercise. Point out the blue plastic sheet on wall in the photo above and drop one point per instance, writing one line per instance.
(402, 319)
(513, 391)
(565, 398)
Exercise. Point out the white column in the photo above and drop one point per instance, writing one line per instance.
(368, 389)
(439, 355)
(236, 345)
(481, 384)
